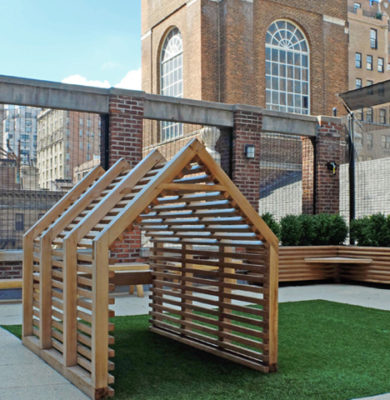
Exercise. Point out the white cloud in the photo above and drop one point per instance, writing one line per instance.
(132, 80)
(81, 80)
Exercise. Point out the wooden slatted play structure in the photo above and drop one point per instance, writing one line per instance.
(214, 267)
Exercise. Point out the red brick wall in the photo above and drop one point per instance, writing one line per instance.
(307, 175)
(125, 140)
(330, 138)
(246, 172)
(125, 127)
(11, 270)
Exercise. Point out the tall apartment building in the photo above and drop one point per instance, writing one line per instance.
(1, 124)
(20, 132)
(66, 139)
(368, 52)
(287, 55)
(369, 64)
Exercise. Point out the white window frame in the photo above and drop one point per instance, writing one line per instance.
(171, 78)
(287, 68)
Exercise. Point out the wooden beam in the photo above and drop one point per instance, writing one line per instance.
(27, 292)
(100, 324)
(45, 286)
(110, 200)
(70, 302)
(143, 198)
(273, 284)
(191, 187)
(65, 201)
(90, 195)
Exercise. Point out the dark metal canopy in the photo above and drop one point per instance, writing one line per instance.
(368, 96)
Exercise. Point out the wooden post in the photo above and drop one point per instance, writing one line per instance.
(273, 306)
(45, 287)
(227, 280)
(70, 301)
(27, 285)
(184, 281)
(100, 300)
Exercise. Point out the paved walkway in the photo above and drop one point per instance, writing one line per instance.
(25, 376)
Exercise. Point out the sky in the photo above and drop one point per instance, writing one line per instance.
(89, 42)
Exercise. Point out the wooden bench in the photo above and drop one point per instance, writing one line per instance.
(336, 261)
(12, 256)
(10, 283)
(132, 274)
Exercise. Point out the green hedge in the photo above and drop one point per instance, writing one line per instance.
(309, 230)
(373, 230)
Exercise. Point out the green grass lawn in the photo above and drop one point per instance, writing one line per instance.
(326, 351)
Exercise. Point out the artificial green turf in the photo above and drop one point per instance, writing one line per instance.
(326, 351)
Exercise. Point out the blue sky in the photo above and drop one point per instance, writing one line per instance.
(95, 42)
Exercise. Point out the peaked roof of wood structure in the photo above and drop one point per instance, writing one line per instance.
(178, 177)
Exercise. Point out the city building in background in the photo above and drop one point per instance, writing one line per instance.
(368, 64)
(1, 124)
(80, 171)
(66, 139)
(19, 134)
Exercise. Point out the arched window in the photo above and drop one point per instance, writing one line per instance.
(171, 78)
(287, 71)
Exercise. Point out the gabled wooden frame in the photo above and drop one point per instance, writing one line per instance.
(71, 328)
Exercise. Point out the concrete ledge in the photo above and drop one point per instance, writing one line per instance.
(39, 93)
(11, 255)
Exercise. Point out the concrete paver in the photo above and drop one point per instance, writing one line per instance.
(23, 375)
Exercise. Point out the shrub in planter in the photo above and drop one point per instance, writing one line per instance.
(330, 229)
(372, 230)
(307, 228)
(290, 231)
(319, 229)
(269, 219)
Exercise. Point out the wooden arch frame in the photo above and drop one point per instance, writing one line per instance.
(212, 255)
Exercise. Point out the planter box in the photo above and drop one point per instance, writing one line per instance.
(293, 267)
(376, 272)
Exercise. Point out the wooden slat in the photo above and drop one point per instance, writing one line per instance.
(45, 288)
(247, 310)
(100, 325)
(27, 292)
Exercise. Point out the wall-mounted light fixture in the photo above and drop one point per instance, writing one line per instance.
(332, 166)
(249, 151)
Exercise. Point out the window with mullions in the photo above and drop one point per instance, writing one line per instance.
(287, 68)
(381, 64)
(369, 115)
(369, 62)
(171, 78)
(373, 38)
(382, 116)
(358, 60)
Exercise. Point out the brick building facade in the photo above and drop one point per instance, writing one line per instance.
(224, 47)
(289, 56)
